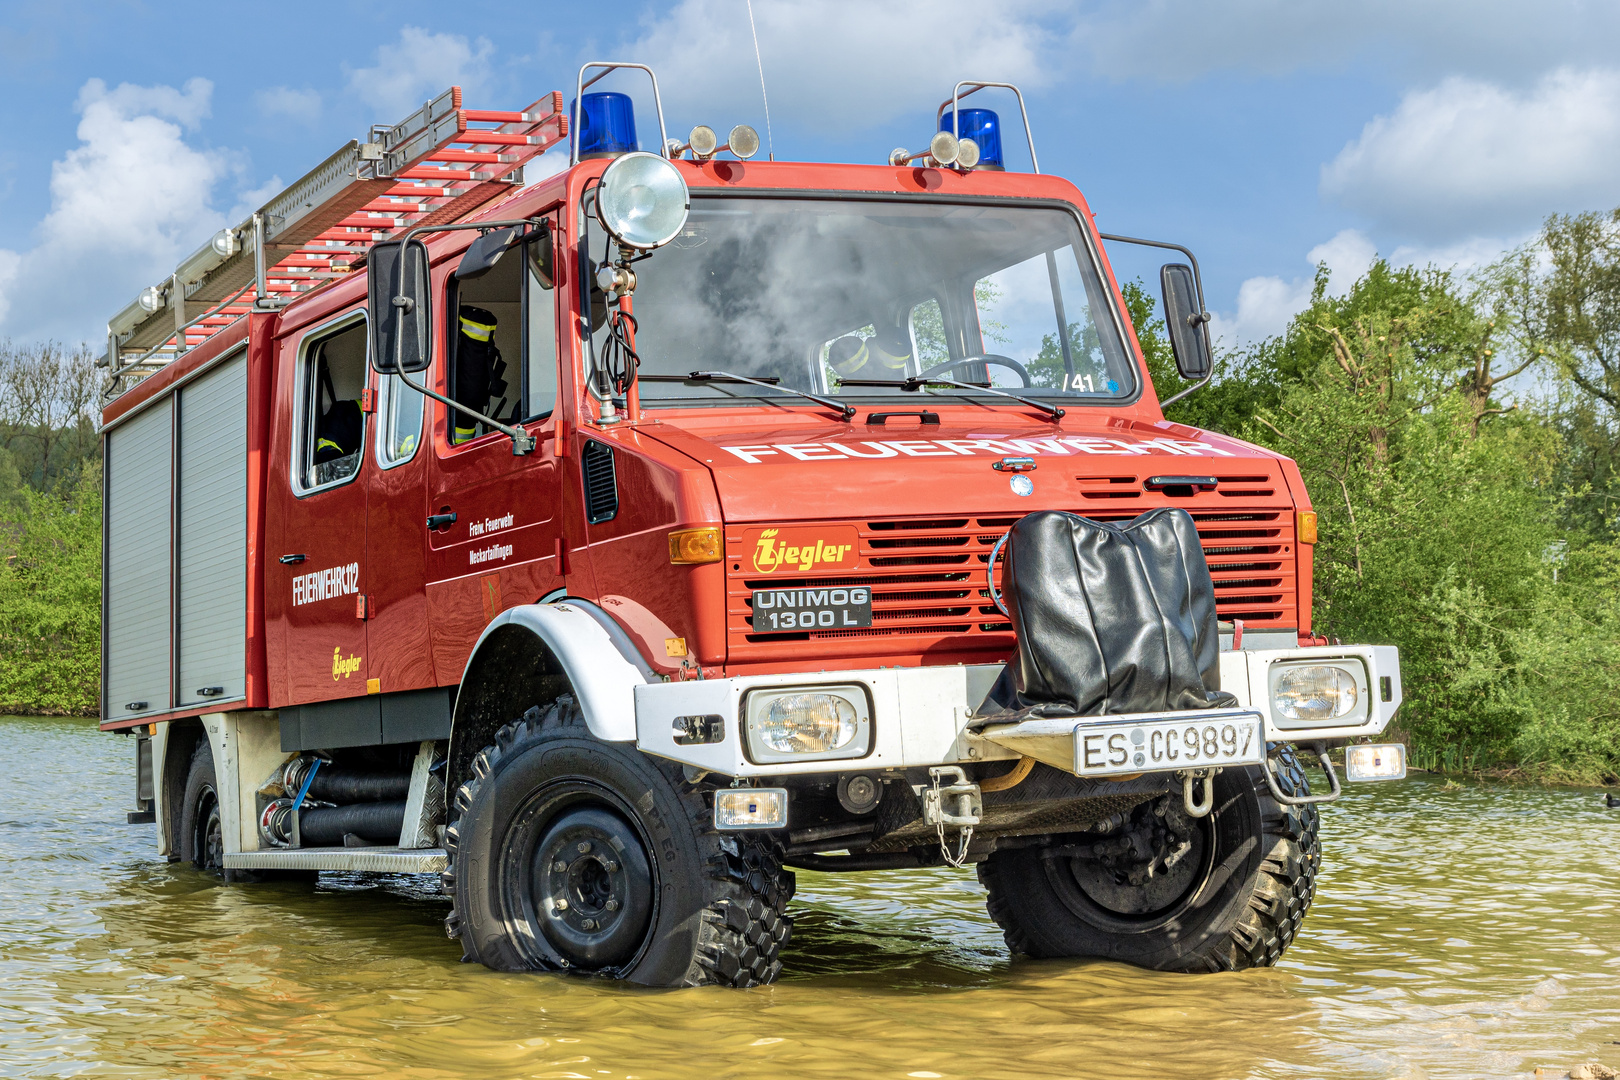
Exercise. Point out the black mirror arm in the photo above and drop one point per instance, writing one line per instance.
(1203, 308)
(522, 441)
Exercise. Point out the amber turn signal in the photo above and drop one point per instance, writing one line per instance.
(690, 546)
(1304, 527)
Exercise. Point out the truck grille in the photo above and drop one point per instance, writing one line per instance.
(928, 586)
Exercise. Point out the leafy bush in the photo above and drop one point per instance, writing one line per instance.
(50, 595)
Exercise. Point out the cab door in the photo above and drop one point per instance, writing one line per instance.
(492, 540)
(315, 589)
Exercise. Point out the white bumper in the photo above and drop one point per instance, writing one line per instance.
(919, 715)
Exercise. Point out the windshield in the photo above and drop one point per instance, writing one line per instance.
(818, 294)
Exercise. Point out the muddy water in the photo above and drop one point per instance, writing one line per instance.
(1457, 933)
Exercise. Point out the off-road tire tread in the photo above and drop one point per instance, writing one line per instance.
(1279, 899)
(743, 929)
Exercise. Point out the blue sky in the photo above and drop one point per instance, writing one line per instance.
(1265, 134)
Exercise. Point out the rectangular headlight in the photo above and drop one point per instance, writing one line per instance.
(827, 723)
(1319, 693)
(1375, 761)
(750, 808)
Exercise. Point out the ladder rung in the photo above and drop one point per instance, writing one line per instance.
(474, 157)
(499, 138)
(496, 116)
(421, 173)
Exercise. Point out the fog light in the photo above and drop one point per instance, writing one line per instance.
(690, 546)
(750, 808)
(1375, 761)
(1312, 693)
(830, 721)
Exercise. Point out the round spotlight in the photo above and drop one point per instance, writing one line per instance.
(744, 141)
(642, 201)
(226, 244)
(703, 141)
(943, 147)
(967, 153)
(151, 299)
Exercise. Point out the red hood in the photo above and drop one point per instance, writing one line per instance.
(767, 468)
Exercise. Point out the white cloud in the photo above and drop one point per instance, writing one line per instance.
(127, 204)
(285, 103)
(1265, 304)
(419, 66)
(1467, 157)
(1179, 40)
(835, 62)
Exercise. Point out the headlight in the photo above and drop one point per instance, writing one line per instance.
(1314, 693)
(820, 721)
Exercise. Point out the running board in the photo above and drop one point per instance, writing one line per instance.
(382, 860)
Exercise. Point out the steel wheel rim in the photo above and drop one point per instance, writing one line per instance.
(208, 845)
(549, 829)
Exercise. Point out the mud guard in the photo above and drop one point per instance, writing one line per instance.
(532, 654)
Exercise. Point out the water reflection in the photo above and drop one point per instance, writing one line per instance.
(1460, 933)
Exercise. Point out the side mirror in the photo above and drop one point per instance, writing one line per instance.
(399, 304)
(1187, 322)
(486, 251)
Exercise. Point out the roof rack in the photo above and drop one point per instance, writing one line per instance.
(439, 164)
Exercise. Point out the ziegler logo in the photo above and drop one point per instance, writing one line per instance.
(827, 547)
(343, 666)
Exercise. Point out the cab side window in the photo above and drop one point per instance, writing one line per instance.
(331, 381)
(503, 340)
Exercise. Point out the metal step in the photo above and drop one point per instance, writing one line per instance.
(383, 860)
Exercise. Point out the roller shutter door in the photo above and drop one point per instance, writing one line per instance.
(212, 540)
(138, 560)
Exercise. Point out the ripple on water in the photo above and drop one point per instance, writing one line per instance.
(1456, 933)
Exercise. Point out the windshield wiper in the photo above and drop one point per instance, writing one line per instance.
(917, 383)
(770, 383)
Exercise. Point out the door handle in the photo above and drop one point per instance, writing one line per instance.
(440, 521)
(288, 560)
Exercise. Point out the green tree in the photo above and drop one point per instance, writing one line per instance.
(50, 598)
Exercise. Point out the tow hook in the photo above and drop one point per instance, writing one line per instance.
(957, 804)
(1197, 807)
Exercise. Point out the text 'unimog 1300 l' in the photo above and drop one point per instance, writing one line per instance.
(611, 545)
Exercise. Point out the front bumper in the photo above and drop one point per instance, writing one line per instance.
(920, 715)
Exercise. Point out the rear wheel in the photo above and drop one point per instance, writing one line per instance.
(1219, 893)
(571, 854)
(200, 839)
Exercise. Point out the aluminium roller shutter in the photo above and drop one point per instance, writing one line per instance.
(211, 515)
(138, 560)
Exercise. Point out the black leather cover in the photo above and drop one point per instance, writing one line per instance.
(1111, 618)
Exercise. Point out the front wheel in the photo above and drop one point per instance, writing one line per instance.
(1167, 891)
(571, 854)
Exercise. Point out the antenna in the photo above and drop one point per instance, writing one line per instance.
(769, 142)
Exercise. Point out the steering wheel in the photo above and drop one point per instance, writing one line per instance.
(982, 358)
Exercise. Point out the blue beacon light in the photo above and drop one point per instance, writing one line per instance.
(984, 127)
(606, 125)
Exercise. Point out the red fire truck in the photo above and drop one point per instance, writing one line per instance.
(613, 544)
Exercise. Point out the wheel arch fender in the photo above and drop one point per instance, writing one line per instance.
(531, 655)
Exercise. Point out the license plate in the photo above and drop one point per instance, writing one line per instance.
(1158, 745)
(781, 610)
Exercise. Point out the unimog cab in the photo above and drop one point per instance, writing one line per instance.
(614, 544)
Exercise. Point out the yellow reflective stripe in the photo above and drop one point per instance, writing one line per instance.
(855, 362)
(476, 330)
(322, 444)
(466, 432)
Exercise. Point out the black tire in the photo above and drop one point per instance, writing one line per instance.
(1255, 877)
(200, 836)
(655, 895)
